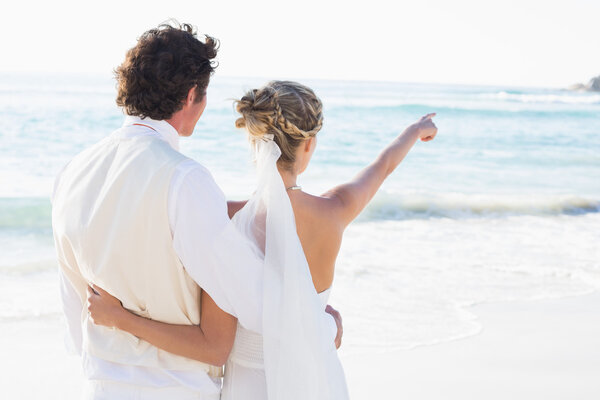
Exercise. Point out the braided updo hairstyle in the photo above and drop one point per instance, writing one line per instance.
(288, 110)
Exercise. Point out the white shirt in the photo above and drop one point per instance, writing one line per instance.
(197, 208)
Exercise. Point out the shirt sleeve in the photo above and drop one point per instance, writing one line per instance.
(70, 297)
(56, 182)
(213, 252)
(72, 309)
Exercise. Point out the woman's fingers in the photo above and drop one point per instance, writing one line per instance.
(430, 137)
(428, 116)
(99, 290)
(91, 291)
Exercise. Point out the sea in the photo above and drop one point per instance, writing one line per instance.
(503, 205)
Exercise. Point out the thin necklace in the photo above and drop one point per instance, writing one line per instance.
(294, 188)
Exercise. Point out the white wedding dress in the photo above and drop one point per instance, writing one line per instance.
(295, 357)
(245, 369)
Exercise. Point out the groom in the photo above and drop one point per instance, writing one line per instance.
(133, 215)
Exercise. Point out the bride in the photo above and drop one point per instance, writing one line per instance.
(299, 236)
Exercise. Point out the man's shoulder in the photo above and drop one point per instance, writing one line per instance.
(86, 153)
(83, 154)
(75, 162)
(193, 167)
(194, 177)
(193, 185)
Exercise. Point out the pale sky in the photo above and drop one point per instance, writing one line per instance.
(506, 42)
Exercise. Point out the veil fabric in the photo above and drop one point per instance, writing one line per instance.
(300, 358)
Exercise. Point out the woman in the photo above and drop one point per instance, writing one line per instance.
(282, 120)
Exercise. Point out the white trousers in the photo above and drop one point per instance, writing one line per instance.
(243, 383)
(110, 390)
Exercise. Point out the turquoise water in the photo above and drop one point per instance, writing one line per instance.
(503, 204)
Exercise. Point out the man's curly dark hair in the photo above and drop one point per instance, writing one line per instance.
(164, 65)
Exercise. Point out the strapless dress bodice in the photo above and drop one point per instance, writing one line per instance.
(248, 345)
(324, 296)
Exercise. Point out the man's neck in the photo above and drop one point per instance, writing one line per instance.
(175, 122)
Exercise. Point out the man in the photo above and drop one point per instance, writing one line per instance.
(133, 215)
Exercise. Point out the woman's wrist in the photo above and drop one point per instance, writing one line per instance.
(121, 318)
(413, 130)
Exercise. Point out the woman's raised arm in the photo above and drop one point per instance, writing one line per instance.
(210, 342)
(352, 197)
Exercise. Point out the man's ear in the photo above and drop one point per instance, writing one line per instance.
(191, 96)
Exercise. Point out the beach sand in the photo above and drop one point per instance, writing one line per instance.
(547, 349)
(34, 363)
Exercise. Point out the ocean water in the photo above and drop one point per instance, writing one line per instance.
(503, 205)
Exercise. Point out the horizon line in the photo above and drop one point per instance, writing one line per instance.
(98, 73)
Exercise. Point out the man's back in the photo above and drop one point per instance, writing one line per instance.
(131, 224)
(111, 228)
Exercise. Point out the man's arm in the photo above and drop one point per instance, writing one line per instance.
(72, 290)
(72, 306)
(213, 252)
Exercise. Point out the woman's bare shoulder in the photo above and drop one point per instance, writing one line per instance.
(317, 209)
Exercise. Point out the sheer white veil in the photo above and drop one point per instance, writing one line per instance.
(301, 361)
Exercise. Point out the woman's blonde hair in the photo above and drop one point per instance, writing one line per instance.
(288, 110)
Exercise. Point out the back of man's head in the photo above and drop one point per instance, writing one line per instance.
(159, 71)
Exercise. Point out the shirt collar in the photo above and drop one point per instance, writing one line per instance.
(164, 129)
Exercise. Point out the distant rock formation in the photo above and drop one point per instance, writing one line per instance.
(592, 86)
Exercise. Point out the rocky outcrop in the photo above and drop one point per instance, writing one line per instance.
(592, 86)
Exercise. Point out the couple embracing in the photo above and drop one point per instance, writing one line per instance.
(164, 282)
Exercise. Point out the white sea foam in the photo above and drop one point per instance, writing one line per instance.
(460, 205)
(406, 283)
(571, 98)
